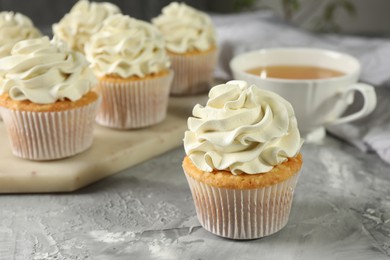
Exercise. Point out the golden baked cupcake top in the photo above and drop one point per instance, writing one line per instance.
(44, 71)
(84, 20)
(227, 180)
(185, 29)
(15, 27)
(126, 47)
(242, 129)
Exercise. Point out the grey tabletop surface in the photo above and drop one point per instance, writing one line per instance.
(341, 210)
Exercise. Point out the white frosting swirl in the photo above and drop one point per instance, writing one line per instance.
(15, 27)
(45, 71)
(185, 28)
(242, 129)
(127, 47)
(83, 21)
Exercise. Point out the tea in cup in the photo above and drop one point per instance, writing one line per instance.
(320, 84)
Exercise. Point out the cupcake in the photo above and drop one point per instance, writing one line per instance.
(15, 27)
(46, 100)
(242, 161)
(191, 44)
(84, 20)
(129, 58)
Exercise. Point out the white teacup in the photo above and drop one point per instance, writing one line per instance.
(317, 102)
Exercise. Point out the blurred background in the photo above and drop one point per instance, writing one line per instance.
(360, 17)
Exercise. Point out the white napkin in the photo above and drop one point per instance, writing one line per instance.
(238, 33)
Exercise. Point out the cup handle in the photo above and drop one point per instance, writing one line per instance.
(369, 104)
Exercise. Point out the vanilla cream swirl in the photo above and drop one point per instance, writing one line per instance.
(242, 129)
(83, 20)
(127, 47)
(185, 29)
(44, 71)
(15, 27)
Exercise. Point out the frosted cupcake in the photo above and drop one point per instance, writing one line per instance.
(191, 44)
(46, 100)
(242, 161)
(129, 57)
(15, 27)
(84, 20)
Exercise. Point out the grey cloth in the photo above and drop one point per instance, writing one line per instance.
(238, 33)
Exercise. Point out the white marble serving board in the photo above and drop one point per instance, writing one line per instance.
(111, 152)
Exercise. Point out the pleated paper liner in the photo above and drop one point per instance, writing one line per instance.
(194, 74)
(129, 104)
(50, 135)
(243, 214)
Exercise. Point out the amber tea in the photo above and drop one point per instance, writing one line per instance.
(294, 72)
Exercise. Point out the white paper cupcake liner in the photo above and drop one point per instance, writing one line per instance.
(50, 135)
(134, 104)
(243, 214)
(194, 74)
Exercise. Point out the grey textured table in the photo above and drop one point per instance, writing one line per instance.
(341, 210)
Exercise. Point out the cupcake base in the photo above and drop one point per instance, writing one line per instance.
(129, 104)
(239, 213)
(194, 72)
(49, 135)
